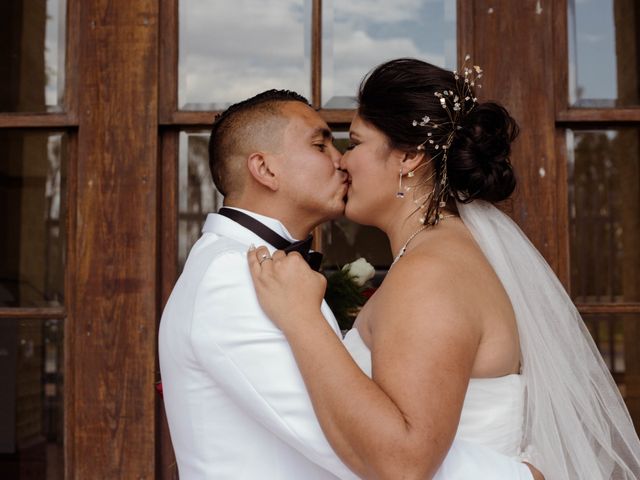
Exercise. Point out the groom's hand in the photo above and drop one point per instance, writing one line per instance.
(537, 474)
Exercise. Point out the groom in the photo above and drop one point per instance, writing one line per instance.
(236, 403)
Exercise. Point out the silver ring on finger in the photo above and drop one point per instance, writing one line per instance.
(264, 257)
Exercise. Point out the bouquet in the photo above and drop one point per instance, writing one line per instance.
(348, 289)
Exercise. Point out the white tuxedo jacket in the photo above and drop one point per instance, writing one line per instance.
(236, 403)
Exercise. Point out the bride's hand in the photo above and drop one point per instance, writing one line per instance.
(287, 289)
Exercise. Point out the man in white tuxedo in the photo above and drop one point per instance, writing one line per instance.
(236, 403)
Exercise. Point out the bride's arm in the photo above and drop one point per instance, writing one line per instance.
(401, 424)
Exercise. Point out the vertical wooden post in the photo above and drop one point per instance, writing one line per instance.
(316, 54)
(112, 418)
(513, 43)
(167, 466)
(626, 16)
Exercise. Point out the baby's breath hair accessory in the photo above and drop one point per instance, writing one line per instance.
(439, 136)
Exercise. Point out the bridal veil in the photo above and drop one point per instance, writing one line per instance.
(576, 424)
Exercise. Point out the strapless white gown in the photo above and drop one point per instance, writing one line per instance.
(493, 410)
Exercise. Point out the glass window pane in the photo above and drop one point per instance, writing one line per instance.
(32, 216)
(360, 34)
(197, 195)
(344, 241)
(604, 59)
(31, 398)
(615, 336)
(32, 55)
(230, 51)
(604, 207)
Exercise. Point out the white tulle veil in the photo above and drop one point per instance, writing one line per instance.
(576, 424)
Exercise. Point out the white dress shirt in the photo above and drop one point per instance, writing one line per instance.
(235, 400)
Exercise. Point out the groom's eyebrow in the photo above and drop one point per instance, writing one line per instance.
(323, 132)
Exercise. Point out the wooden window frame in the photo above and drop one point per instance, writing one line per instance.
(94, 35)
(172, 120)
(172, 116)
(568, 117)
(65, 121)
(469, 14)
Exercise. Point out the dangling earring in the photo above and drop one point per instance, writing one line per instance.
(400, 192)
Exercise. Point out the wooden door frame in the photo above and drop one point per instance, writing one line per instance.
(122, 119)
(486, 30)
(119, 406)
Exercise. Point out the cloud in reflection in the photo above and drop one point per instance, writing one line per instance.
(232, 50)
(359, 35)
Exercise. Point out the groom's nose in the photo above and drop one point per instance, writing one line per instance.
(343, 164)
(336, 157)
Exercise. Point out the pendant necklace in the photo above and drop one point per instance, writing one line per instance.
(411, 237)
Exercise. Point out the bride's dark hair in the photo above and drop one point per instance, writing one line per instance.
(399, 92)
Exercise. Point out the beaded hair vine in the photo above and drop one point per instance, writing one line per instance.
(457, 104)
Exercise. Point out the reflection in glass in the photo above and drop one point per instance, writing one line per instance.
(33, 56)
(359, 34)
(604, 208)
(32, 213)
(197, 195)
(31, 400)
(604, 62)
(230, 51)
(608, 332)
(344, 241)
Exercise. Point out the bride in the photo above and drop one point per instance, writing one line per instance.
(470, 335)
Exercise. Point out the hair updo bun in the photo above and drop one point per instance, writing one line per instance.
(478, 163)
(396, 95)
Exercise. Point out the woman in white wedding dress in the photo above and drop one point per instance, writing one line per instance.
(470, 335)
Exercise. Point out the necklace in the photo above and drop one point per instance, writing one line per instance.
(411, 237)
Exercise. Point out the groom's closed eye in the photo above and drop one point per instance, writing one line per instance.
(322, 138)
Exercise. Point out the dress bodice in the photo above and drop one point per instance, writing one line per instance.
(493, 410)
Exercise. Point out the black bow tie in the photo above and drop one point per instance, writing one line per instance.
(301, 246)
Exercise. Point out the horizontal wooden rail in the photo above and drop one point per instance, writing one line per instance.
(599, 115)
(189, 118)
(40, 312)
(38, 120)
(605, 308)
(337, 116)
(204, 119)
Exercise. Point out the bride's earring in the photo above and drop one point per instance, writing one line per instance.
(400, 192)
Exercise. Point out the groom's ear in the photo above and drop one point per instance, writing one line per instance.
(259, 164)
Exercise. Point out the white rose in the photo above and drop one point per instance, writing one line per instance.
(361, 270)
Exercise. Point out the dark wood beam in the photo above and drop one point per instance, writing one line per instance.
(113, 318)
(512, 42)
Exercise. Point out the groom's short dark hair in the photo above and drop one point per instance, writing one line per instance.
(241, 125)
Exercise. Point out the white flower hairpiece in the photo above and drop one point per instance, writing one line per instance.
(457, 104)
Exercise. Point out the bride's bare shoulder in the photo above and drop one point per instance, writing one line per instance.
(425, 297)
(436, 274)
(445, 255)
